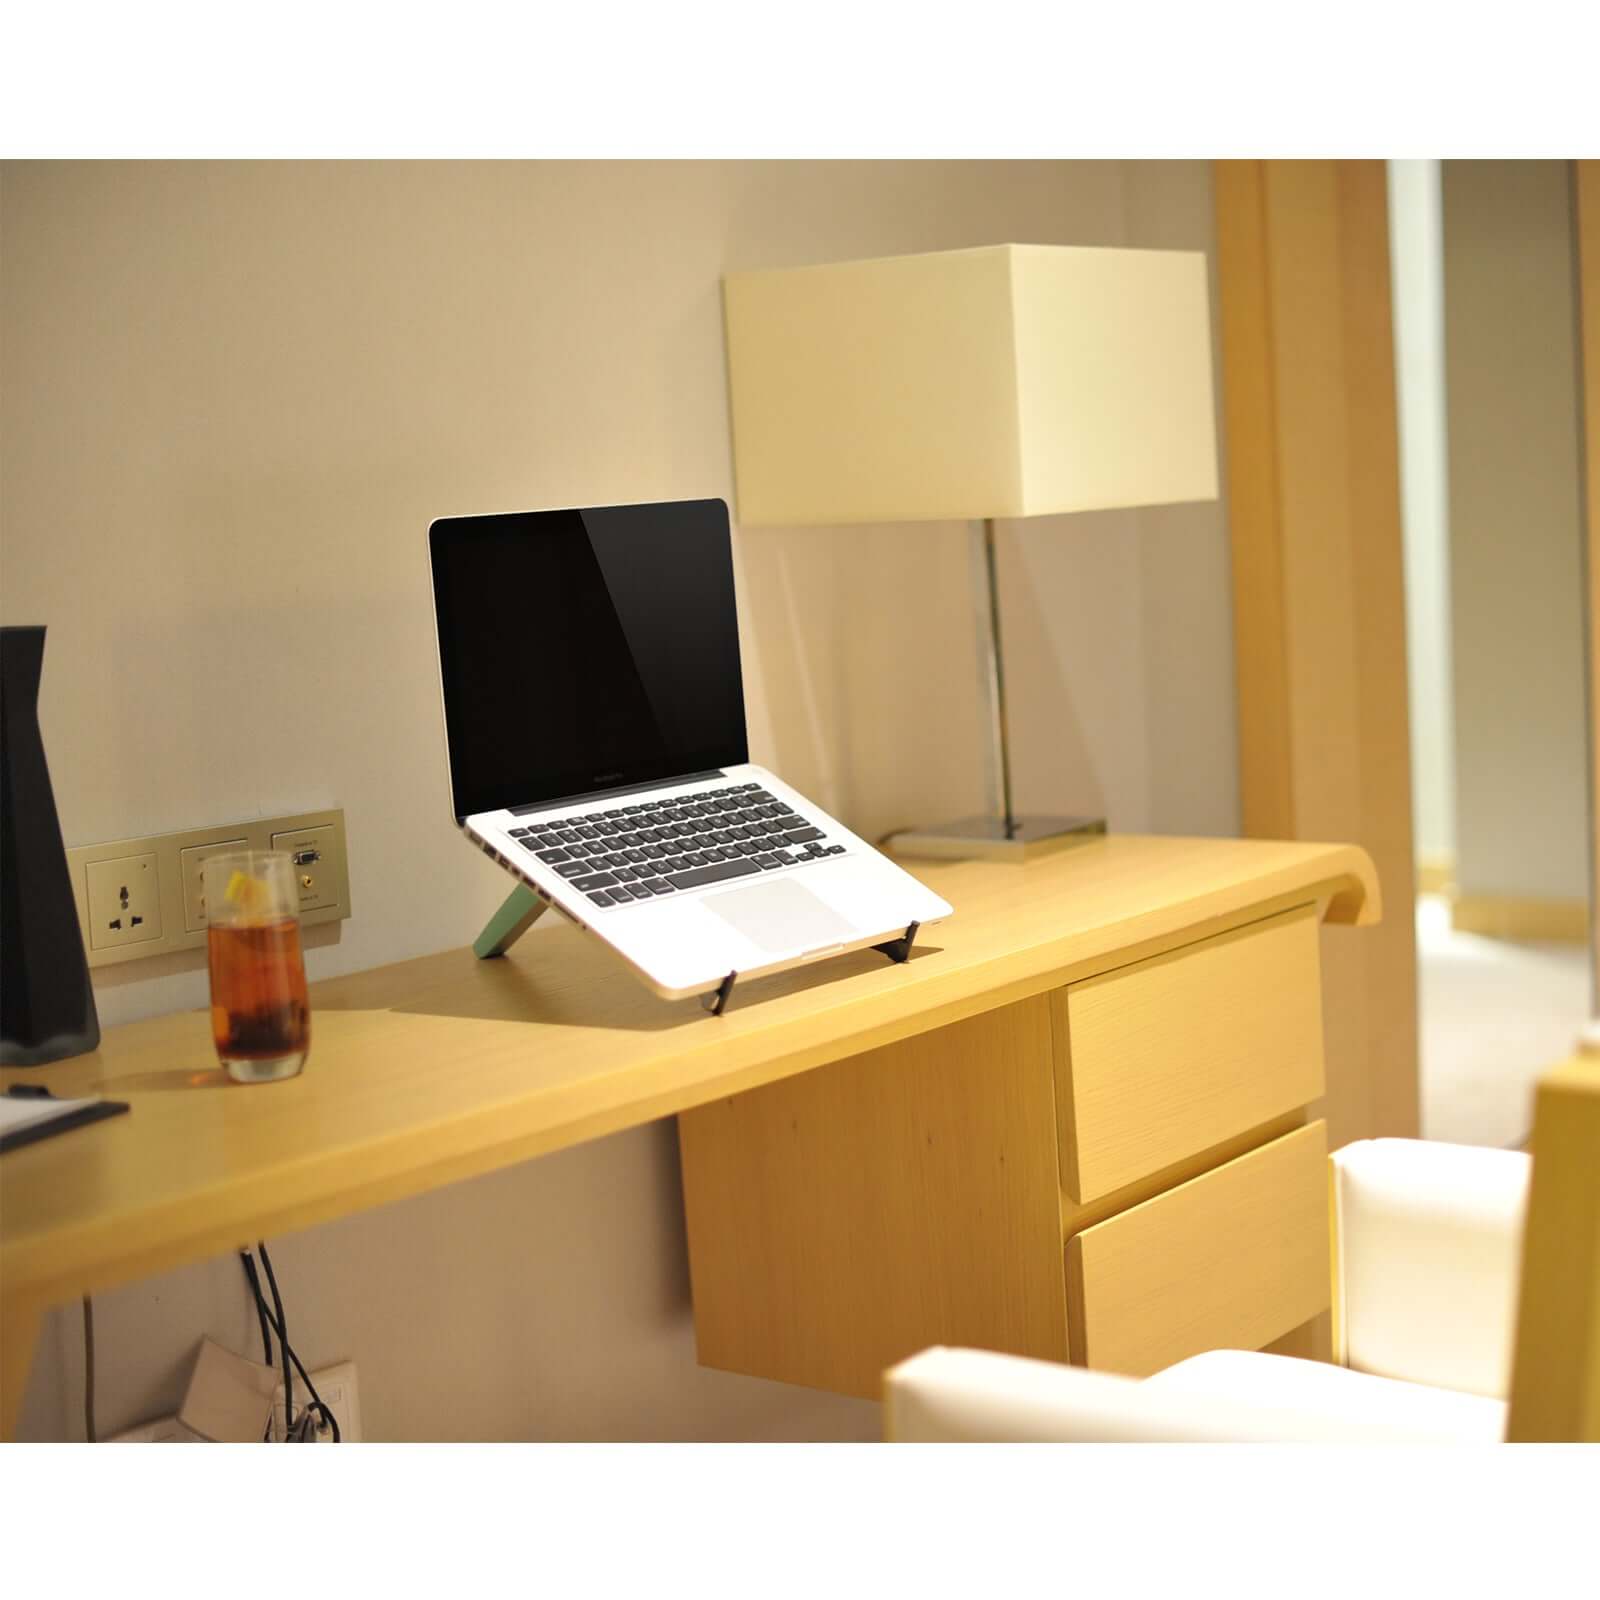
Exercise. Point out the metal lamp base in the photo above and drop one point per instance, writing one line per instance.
(986, 839)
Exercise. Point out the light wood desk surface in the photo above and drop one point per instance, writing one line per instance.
(444, 1067)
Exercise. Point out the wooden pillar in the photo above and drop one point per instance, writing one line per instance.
(1313, 483)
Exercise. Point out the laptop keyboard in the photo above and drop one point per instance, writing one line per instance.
(639, 852)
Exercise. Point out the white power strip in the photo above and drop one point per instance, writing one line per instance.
(337, 1386)
(164, 1430)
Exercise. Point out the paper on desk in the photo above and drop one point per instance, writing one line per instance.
(18, 1113)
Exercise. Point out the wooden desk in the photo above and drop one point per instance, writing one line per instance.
(978, 1106)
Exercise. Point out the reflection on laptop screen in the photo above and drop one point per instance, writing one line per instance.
(586, 649)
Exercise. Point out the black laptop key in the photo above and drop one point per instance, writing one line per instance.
(801, 835)
(767, 862)
(574, 869)
(697, 876)
(601, 898)
(520, 833)
(552, 858)
(595, 880)
(658, 886)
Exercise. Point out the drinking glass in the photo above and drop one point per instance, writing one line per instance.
(260, 1015)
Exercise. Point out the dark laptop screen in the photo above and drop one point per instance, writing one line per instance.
(586, 649)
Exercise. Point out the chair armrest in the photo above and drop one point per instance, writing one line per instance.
(1427, 1240)
(975, 1395)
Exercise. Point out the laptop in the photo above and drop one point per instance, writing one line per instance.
(594, 719)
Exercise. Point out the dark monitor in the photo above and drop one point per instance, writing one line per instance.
(586, 649)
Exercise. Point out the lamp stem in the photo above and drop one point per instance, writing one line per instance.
(997, 680)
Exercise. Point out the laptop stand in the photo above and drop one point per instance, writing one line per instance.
(522, 908)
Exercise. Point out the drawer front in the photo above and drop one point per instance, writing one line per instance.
(1228, 1261)
(1161, 1060)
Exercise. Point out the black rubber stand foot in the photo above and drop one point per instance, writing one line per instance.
(899, 950)
(715, 1002)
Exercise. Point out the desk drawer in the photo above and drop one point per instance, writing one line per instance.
(1228, 1261)
(1163, 1059)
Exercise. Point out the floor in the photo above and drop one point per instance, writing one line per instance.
(1493, 1015)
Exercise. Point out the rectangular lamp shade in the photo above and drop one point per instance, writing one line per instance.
(1007, 381)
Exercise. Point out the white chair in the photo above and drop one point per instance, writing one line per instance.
(1428, 1239)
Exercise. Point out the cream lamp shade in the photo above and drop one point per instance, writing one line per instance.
(1016, 380)
(1007, 381)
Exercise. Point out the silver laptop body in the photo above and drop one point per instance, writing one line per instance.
(594, 722)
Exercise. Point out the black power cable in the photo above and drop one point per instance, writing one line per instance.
(282, 1325)
(268, 1320)
(249, 1262)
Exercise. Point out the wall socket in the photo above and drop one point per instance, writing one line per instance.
(191, 861)
(123, 901)
(145, 897)
(337, 1387)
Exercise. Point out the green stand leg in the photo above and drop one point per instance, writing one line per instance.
(521, 910)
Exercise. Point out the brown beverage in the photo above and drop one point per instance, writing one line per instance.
(260, 1015)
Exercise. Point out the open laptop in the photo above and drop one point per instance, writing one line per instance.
(594, 717)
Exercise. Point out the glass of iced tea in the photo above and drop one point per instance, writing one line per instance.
(260, 1017)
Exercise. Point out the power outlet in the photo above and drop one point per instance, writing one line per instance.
(190, 863)
(124, 898)
(337, 1386)
(173, 917)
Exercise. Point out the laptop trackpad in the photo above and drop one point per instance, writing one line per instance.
(781, 915)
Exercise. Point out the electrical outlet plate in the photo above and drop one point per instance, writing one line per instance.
(122, 898)
(337, 1386)
(176, 909)
(319, 868)
(190, 863)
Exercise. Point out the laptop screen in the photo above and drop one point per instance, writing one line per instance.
(586, 649)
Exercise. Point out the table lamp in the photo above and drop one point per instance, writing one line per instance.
(1006, 381)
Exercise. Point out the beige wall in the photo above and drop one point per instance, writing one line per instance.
(233, 398)
(1515, 530)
